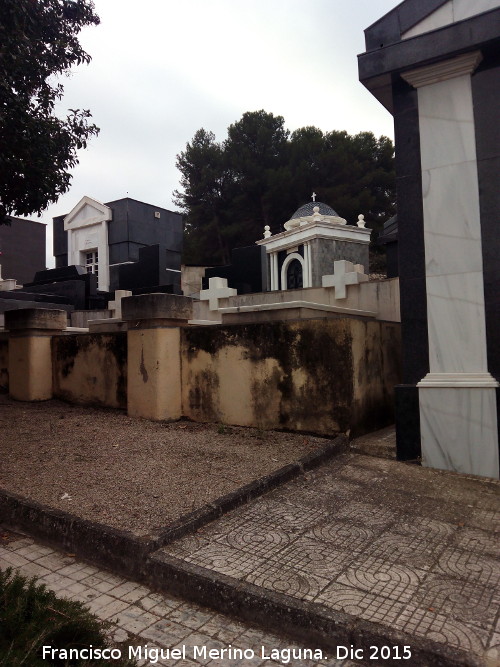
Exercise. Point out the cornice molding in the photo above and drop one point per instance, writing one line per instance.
(447, 69)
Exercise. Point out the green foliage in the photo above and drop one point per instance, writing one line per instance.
(32, 616)
(38, 41)
(261, 174)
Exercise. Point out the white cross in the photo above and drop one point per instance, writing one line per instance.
(116, 305)
(217, 289)
(344, 273)
(314, 195)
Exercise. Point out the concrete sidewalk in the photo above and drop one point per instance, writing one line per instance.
(142, 618)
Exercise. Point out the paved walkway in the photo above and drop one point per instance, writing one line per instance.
(406, 548)
(386, 553)
(141, 618)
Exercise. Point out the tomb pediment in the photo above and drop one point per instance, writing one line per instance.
(451, 12)
(87, 212)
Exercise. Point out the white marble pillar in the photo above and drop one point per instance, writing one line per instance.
(70, 247)
(103, 278)
(458, 418)
(307, 281)
(274, 271)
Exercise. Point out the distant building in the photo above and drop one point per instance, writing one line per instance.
(107, 238)
(22, 244)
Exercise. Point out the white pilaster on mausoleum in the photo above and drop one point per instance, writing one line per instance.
(457, 398)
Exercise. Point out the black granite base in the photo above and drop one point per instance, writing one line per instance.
(408, 446)
(498, 417)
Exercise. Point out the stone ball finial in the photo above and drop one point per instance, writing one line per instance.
(267, 232)
(361, 221)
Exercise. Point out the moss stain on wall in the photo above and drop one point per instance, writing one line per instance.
(292, 375)
(91, 368)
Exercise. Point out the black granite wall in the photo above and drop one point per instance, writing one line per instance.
(132, 227)
(486, 100)
(22, 244)
(247, 272)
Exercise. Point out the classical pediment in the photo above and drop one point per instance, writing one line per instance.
(87, 212)
(451, 12)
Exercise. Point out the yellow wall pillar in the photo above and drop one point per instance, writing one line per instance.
(154, 373)
(154, 357)
(30, 355)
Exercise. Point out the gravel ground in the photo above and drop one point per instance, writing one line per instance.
(133, 474)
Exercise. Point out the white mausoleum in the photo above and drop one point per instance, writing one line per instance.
(314, 238)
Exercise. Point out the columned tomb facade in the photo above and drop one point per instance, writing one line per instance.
(314, 238)
(436, 68)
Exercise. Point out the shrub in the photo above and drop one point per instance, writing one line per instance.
(31, 616)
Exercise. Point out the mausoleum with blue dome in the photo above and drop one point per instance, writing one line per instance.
(313, 239)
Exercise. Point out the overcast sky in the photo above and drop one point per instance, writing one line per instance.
(162, 69)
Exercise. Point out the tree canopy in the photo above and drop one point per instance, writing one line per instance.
(262, 173)
(38, 41)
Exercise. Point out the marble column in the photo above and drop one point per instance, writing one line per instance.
(103, 256)
(458, 416)
(274, 271)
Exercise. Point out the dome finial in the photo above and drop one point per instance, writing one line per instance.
(313, 197)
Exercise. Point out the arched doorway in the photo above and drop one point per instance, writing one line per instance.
(294, 275)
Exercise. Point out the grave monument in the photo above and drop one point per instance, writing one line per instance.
(108, 239)
(313, 239)
(435, 66)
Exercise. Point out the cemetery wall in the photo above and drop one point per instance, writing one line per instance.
(91, 369)
(324, 376)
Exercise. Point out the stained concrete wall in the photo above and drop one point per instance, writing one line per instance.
(91, 369)
(322, 376)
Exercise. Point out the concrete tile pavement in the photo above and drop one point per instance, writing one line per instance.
(403, 547)
(141, 617)
(378, 548)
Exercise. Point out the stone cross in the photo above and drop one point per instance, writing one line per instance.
(314, 195)
(217, 289)
(116, 305)
(344, 273)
